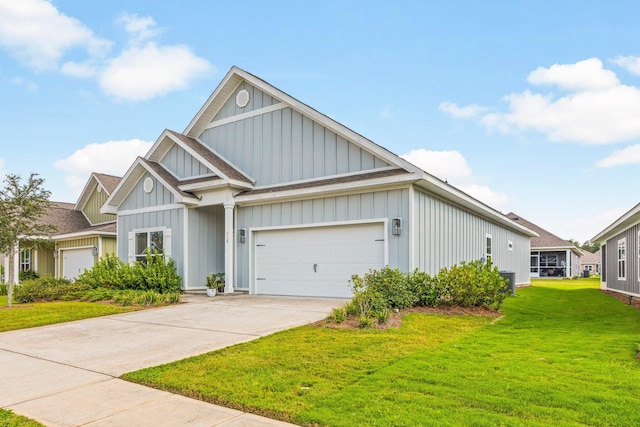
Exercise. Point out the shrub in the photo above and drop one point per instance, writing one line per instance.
(47, 289)
(155, 273)
(389, 284)
(471, 284)
(338, 314)
(365, 322)
(3, 289)
(426, 289)
(25, 275)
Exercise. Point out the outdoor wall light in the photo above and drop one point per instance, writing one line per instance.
(396, 226)
(94, 251)
(55, 253)
(242, 235)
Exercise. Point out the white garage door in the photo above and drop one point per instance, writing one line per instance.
(75, 261)
(316, 261)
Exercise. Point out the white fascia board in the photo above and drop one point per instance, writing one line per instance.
(89, 186)
(82, 234)
(628, 220)
(378, 184)
(111, 205)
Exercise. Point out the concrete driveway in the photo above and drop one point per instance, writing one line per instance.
(66, 374)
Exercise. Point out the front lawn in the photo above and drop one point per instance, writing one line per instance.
(22, 316)
(9, 419)
(563, 353)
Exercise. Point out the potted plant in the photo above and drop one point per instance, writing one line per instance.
(215, 284)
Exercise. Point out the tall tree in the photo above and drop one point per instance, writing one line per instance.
(22, 208)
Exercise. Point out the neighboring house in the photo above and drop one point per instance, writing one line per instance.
(286, 201)
(79, 247)
(620, 248)
(591, 262)
(82, 235)
(551, 256)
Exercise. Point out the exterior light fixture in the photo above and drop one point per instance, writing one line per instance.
(242, 235)
(396, 226)
(55, 253)
(94, 251)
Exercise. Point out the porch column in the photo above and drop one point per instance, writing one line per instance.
(229, 280)
(568, 272)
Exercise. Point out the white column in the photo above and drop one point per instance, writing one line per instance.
(228, 248)
(569, 273)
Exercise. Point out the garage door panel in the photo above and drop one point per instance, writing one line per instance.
(75, 261)
(316, 261)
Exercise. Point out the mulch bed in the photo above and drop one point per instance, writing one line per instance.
(395, 318)
(627, 299)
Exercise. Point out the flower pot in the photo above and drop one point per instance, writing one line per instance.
(211, 292)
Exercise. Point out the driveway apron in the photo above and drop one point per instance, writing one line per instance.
(67, 374)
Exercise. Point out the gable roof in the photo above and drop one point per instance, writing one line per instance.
(236, 76)
(107, 182)
(591, 258)
(545, 239)
(628, 220)
(65, 218)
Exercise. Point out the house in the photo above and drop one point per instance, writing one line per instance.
(286, 201)
(551, 256)
(82, 235)
(620, 252)
(591, 262)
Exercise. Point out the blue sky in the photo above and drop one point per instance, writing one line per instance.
(531, 106)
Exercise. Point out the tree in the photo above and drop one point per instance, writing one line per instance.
(591, 247)
(22, 207)
(574, 243)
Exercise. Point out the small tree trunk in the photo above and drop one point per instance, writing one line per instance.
(10, 280)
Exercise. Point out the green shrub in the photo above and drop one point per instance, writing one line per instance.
(471, 284)
(155, 273)
(25, 275)
(338, 314)
(47, 289)
(3, 289)
(383, 315)
(426, 289)
(390, 284)
(365, 322)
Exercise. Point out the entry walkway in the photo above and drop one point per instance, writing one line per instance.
(67, 374)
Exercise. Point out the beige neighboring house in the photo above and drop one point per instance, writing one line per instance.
(551, 256)
(591, 262)
(82, 236)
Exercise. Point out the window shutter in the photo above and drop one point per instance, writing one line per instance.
(167, 242)
(131, 255)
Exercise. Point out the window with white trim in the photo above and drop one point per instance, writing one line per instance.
(151, 240)
(489, 249)
(622, 259)
(25, 260)
(156, 238)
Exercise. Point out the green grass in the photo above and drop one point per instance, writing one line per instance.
(563, 354)
(9, 419)
(22, 316)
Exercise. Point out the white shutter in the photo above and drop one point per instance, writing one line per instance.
(131, 255)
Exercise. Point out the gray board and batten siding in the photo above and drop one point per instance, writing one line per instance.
(630, 285)
(283, 146)
(445, 235)
(182, 164)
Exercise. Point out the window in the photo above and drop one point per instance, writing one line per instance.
(588, 267)
(152, 240)
(489, 251)
(622, 259)
(25, 260)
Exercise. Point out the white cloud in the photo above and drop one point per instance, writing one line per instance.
(140, 28)
(453, 167)
(469, 111)
(112, 157)
(30, 86)
(586, 227)
(78, 69)
(443, 164)
(142, 73)
(37, 33)
(631, 63)
(627, 156)
(583, 75)
(496, 199)
(598, 109)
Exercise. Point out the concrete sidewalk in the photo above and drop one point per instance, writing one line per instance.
(66, 374)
